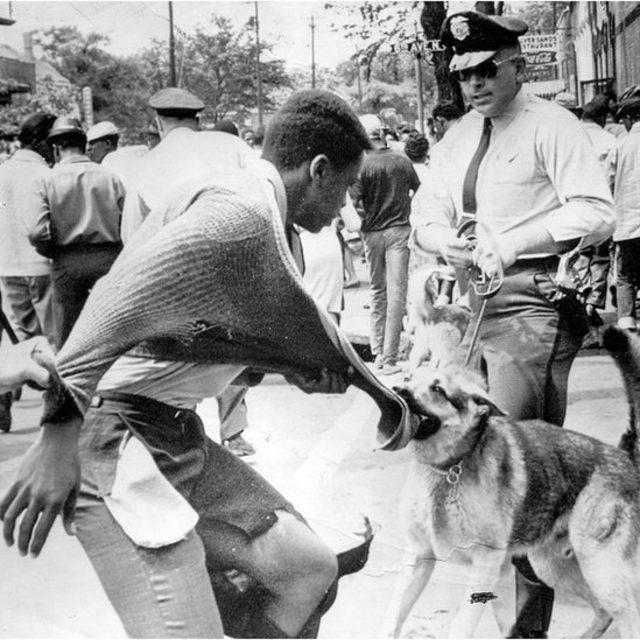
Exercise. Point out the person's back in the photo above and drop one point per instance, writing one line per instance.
(386, 184)
(85, 201)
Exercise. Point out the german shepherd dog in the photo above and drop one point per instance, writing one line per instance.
(486, 489)
(437, 330)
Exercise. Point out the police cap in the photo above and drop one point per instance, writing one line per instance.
(629, 107)
(64, 125)
(174, 99)
(476, 37)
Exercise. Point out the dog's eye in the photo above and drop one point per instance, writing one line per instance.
(436, 388)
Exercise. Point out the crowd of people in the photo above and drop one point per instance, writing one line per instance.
(141, 280)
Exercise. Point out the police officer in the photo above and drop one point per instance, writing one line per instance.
(525, 169)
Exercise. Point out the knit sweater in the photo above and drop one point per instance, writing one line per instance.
(210, 279)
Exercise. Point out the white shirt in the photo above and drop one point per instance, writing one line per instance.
(22, 185)
(627, 185)
(604, 144)
(540, 167)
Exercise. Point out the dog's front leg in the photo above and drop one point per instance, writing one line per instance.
(483, 577)
(413, 578)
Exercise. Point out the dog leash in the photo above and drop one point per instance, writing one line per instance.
(6, 325)
(483, 287)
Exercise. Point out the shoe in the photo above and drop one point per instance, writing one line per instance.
(5, 412)
(627, 322)
(378, 362)
(239, 446)
(391, 369)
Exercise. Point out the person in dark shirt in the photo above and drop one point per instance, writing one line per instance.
(382, 196)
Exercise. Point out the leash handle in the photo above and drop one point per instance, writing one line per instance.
(483, 286)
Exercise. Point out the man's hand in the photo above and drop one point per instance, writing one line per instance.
(17, 366)
(47, 483)
(329, 382)
(456, 252)
(492, 255)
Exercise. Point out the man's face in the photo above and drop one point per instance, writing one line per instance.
(490, 96)
(98, 149)
(439, 127)
(325, 194)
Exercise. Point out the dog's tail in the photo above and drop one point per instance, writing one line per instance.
(625, 350)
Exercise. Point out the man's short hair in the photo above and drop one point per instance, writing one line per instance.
(72, 140)
(226, 126)
(312, 123)
(35, 128)
(447, 110)
(416, 147)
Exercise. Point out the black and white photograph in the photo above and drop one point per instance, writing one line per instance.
(319, 319)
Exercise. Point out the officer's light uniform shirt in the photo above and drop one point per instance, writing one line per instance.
(181, 158)
(540, 168)
(627, 185)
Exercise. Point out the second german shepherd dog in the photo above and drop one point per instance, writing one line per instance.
(489, 488)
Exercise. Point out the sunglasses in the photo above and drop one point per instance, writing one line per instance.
(487, 69)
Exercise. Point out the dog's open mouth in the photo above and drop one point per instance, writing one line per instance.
(427, 427)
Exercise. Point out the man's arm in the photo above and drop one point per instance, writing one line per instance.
(39, 226)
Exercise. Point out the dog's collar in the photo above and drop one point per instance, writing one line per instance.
(452, 474)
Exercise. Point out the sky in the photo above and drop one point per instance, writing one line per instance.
(132, 25)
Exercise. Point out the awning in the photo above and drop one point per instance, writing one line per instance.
(545, 88)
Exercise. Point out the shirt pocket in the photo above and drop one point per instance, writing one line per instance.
(514, 165)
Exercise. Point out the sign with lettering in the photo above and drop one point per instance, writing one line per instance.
(543, 57)
(539, 42)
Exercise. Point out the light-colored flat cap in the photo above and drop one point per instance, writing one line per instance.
(101, 130)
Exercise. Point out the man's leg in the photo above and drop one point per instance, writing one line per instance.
(293, 566)
(157, 593)
(397, 260)
(626, 290)
(17, 302)
(374, 250)
(40, 289)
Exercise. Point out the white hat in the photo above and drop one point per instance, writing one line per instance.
(101, 130)
(372, 125)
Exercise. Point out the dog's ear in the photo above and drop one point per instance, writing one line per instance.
(482, 399)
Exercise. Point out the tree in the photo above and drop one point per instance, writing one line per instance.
(120, 88)
(540, 16)
(49, 98)
(218, 64)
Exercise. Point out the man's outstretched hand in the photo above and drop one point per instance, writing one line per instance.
(47, 483)
(17, 365)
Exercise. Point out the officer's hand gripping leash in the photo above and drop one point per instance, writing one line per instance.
(483, 286)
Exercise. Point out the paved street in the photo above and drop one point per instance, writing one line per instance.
(320, 451)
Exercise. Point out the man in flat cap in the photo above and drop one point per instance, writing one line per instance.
(627, 234)
(524, 170)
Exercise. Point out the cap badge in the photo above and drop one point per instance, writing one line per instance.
(459, 27)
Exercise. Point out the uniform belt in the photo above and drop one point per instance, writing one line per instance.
(160, 411)
(545, 263)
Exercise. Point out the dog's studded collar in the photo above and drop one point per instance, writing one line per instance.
(452, 474)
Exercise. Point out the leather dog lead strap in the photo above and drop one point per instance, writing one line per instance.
(6, 325)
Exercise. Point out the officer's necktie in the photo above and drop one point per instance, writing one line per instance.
(469, 205)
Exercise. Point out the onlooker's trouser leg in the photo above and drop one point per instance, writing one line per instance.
(528, 349)
(598, 273)
(374, 249)
(161, 593)
(232, 411)
(75, 271)
(397, 261)
(628, 259)
(28, 299)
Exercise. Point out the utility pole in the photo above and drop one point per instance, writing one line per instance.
(258, 73)
(172, 49)
(357, 61)
(418, 56)
(313, 54)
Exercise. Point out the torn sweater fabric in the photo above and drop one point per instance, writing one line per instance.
(210, 279)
